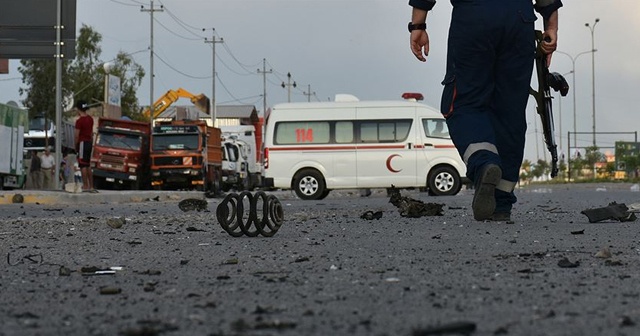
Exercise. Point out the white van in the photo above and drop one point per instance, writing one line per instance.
(314, 148)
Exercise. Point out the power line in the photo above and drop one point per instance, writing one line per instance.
(182, 23)
(242, 65)
(176, 34)
(180, 72)
(124, 4)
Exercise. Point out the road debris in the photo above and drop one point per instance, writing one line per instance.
(459, 328)
(370, 215)
(17, 198)
(110, 290)
(604, 253)
(29, 258)
(92, 270)
(116, 222)
(237, 219)
(191, 204)
(412, 208)
(613, 211)
(565, 263)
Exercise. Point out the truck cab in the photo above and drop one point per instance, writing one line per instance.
(120, 156)
(41, 133)
(242, 168)
(186, 154)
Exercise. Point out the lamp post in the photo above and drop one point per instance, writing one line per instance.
(560, 111)
(573, 87)
(593, 75)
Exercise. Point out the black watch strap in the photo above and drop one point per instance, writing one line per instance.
(417, 26)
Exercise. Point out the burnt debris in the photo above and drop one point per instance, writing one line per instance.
(412, 208)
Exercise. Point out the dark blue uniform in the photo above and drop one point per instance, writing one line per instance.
(490, 60)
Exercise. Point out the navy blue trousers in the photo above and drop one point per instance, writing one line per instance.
(490, 60)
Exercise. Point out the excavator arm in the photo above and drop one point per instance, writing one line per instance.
(200, 101)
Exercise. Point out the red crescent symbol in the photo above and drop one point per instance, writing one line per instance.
(389, 163)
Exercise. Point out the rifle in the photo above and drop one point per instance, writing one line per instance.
(546, 82)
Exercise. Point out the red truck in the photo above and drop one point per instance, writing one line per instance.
(120, 158)
(186, 154)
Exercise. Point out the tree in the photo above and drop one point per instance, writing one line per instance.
(540, 168)
(562, 169)
(40, 77)
(83, 78)
(88, 73)
(124, 65)
(525, 170)
(592, 156)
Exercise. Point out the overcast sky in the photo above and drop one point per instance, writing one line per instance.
(359, 47)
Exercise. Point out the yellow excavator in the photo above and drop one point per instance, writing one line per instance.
(201, 102)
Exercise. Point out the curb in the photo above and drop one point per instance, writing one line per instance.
(50, 197)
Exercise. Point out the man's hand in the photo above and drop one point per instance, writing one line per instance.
(420, 44)
(550, 36)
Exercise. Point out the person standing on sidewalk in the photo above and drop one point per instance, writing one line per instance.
(35, 174)
(84, 145)
(48, 167)
(490, 59)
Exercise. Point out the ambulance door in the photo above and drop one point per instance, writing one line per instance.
(386, 152)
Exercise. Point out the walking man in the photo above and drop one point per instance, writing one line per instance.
(486, 88)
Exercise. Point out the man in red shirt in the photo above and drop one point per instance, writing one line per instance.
(84, 145)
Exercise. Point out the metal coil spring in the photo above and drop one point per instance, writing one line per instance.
(231, 214)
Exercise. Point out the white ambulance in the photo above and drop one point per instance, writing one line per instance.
(314, 148)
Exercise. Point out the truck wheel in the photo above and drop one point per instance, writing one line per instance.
(443, 181)
(99, 183)
(309, 185)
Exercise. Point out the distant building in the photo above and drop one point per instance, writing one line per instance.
(624, 150)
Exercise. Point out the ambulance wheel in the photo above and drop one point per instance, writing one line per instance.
(324, 194)
(309, 185)
(443, 181)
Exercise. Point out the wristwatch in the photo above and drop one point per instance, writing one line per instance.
(416, 26)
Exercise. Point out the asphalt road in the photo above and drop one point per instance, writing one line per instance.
(326, 271)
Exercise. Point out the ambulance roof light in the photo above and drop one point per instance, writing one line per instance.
(414, 96)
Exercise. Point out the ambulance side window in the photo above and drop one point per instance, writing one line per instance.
(436, 128)
(344, 132)
(384, 130)
(302, 132)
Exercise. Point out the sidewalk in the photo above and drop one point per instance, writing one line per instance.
(103, 196)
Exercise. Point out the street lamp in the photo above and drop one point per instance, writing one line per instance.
(560, 111)
(593, 75)
(573, 86)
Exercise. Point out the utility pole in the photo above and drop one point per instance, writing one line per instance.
(59, 56)
(151, 11)
(309, 93)
(264, 73)
(289, 85)
(213, 110)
